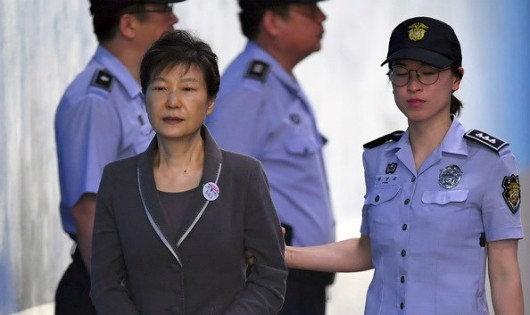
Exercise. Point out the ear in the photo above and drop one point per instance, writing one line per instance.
(271, 23)
(457, 79)
(210, 106)
(127, 25)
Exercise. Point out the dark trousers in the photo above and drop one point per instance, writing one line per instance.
(72, 295)
(306, 292)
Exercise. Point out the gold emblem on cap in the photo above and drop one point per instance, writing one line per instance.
(417, 31)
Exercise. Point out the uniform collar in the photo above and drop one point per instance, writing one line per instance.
(119, 71)
(453, 141)
(257, 53)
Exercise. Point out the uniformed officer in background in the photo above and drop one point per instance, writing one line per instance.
(101, 118)
(441, 203)
(262, 111)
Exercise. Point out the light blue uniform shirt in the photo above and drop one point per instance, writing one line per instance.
(100, 118)
(261, 111)
(426, 239)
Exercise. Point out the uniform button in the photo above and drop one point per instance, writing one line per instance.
(407, 201)
(295, 119)
(401, 305)
(403, 253)
(413, 179)
(376, 198)
(404, 227)
(402, 279)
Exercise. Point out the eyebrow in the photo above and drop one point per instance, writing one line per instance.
(185, 79)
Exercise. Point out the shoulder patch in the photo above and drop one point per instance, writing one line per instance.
(258, 70)
(512, 192)
(103, 80)
(486, 139)
(394, 136)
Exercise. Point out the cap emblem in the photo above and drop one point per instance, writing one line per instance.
(417, 31)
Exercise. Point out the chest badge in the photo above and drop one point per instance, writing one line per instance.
(450, 177)
(512, 192)
(391, 168)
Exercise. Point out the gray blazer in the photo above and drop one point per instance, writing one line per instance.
(137, 269)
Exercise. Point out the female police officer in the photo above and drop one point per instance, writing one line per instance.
(439, 200)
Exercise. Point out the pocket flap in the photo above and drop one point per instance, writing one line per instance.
(444, 197)
(380, 195)
(301, 145)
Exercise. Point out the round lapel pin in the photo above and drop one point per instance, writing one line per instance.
(210, 191)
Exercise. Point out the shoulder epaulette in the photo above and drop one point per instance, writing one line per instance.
(486, 139)
(394, 136)
(258, 70)
(103, 80)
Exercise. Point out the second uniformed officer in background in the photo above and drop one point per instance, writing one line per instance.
(101, 118)
(262, 111)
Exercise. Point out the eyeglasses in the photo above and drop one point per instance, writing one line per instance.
(400, 76)
(167, 9)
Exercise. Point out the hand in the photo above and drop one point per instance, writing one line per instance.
(250, 258)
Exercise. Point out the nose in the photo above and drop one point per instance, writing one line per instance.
(172, 100)
(414, 83)
(173, 18)
(321, 16)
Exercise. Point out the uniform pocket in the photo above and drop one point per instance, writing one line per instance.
(444, 197)
(301, 145)
(381, 195)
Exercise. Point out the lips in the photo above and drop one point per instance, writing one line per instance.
(172, 120)
(415, 102)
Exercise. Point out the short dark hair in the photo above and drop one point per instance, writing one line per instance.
(181, 48)
(106, 17)
(251, 19)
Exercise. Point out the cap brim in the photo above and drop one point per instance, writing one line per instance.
(419, 54)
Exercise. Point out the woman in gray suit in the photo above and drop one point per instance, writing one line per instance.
(173, 223)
